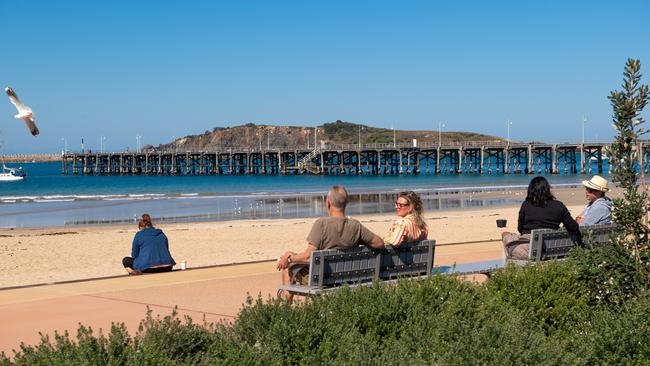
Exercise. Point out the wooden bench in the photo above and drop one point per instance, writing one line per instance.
(555, 244)
(331, 269)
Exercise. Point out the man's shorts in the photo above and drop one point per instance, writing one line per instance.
(299, 273)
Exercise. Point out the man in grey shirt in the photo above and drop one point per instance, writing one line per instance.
(333, 232)
(599, 208)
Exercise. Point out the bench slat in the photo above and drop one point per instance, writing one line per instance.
(362, 264)
(548, 244)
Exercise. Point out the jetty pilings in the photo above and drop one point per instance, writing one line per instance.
(386, 159)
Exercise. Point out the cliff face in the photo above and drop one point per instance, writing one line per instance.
(339, 132)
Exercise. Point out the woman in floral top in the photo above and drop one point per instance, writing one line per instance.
(410, 226)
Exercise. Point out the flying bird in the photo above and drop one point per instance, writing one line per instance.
(24, 112)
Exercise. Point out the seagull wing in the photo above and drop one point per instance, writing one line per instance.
(29, 120)
(13, 98)
(24, 112)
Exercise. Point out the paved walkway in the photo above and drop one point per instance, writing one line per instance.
(215, 293)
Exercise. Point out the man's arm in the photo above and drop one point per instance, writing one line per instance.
(293, 257)
(376, 242)
(368, 238)
(580, 219)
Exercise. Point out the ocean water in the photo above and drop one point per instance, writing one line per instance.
(49, 198)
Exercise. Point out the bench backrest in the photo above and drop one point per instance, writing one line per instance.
(548, 244)
(362, 264)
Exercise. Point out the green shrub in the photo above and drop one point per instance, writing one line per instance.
(172, 338)
(531, 315)
(436, 321)
(89, 349)
(548, 292)
(615, 337)
(609, 274)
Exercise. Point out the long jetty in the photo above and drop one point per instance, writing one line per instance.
(377, 159)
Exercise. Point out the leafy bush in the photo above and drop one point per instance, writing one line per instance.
(615, 337)
(630, 211)
(609, 273)
(113, 349)
(435, 321)
(548, 292)
(531, 315)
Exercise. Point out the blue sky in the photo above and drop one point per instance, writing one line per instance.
(171, 68)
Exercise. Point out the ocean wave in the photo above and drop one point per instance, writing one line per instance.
(56, 197)
(54, 200)
(257, 195)
(19, 198)
(128, 199)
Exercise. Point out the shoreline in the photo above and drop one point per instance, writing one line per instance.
(67, 212)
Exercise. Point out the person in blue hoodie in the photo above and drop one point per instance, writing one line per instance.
(599, 207)
(150, 250)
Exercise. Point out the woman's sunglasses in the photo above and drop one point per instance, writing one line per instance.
(401, 205)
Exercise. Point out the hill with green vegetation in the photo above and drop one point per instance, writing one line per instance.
(334, 133)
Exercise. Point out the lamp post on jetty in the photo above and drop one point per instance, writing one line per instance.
(360, 128)
(440, 126)
(137, 141)
(584, 120)
(508, 124)
(101, 144)
(65, 145)
(393, 128)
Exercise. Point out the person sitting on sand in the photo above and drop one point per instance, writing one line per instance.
(334, 232)
(409, 227)
(599, 208)
(540, 210)
(150, 250)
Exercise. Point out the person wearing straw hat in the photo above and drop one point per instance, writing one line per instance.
(599, 208)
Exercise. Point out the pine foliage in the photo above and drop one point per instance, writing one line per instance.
(630, 211)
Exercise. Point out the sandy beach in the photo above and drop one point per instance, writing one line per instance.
(47, 255)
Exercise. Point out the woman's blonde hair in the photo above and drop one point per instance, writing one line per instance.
(416, 207)
(146, 220)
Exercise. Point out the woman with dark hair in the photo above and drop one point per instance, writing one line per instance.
(540, 210)
(150, 250)
(409, 227)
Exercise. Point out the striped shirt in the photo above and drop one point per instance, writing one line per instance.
(405, 230)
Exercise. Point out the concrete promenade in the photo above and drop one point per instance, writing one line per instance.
(216, 293)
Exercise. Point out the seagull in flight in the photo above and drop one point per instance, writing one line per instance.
(24, 112)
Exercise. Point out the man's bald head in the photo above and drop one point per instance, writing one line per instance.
(338, 197)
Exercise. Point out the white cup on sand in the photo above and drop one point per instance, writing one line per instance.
(183, 265)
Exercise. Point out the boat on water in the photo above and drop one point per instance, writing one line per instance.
(12, 174)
